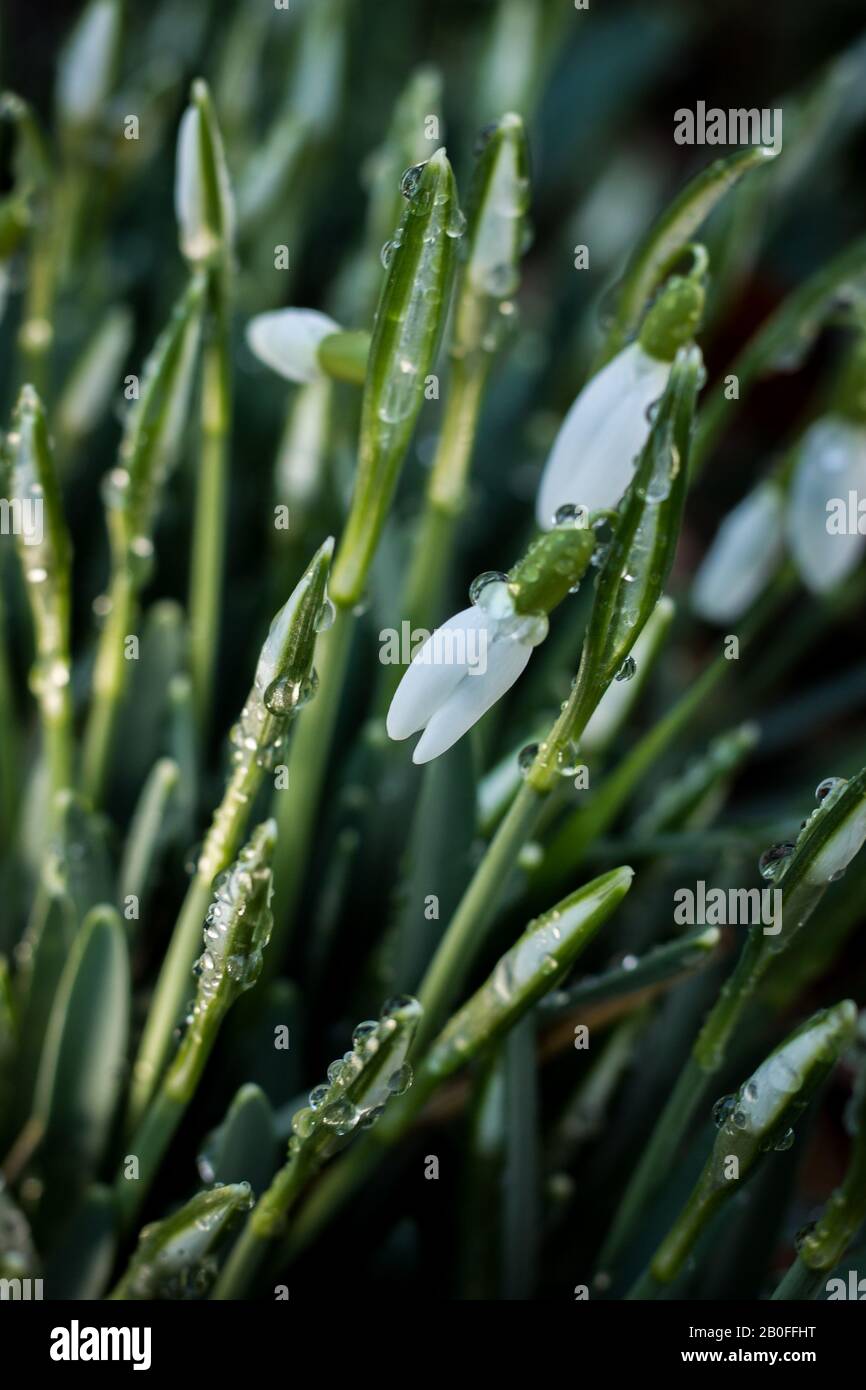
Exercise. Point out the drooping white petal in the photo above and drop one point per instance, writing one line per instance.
(473, 697)
(831, 463)
(745, 553)
(436, 670)
(287, 340)
(592, 459)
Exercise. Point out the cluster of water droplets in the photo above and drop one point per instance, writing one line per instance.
(357, 1089)
(230, 949)
(774, 861)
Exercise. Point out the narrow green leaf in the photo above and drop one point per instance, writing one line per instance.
(244, 1147)
(80, 1266)
(535, 964)
(203, 196)
(85, 1048)
(406, 332)
(687, 953)
(148, 830)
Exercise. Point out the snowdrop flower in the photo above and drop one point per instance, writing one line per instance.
(821, 525)
(745, 554)
(463, 668)
(288, 340)
(593, 456)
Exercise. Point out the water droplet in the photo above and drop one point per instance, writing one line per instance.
(773, 860)
(652, 410)
(829, 784)
(568, 761)
(570, 517)
(364, 1031)
(750, 1092)
(318, 1096)
(400, 1080)
(325, 616)
(627, 669)
(802, 1236)
(304, 1121)
(481, 582)
(784, 1142)
(456, 224)
(410, 180)
(526, 757)
(341, 1115)
(722, 1109)
(386, 255)
(285, 695)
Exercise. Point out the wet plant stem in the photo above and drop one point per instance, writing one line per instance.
(706, 1058)
(467, 931)
(800, 1282)
(208, 541)
(109, 681)
(295, 808)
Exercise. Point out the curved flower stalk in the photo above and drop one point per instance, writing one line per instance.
(284, 681)
(304, 345)
(177, 1258)
(360, 1085)
(474, 658)
(751, 1124)
(747, 551)
(236, 933)
(593, 457)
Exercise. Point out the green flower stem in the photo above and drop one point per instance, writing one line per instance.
(800, 1282)
(466, 934)
(446, 490)
(208, 541)
(109, 683)
(295, 807)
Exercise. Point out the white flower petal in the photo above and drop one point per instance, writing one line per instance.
(435, 671)
(830, 464)
(745, 553)
(472, 698)
(592, 459)
(287, 340)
